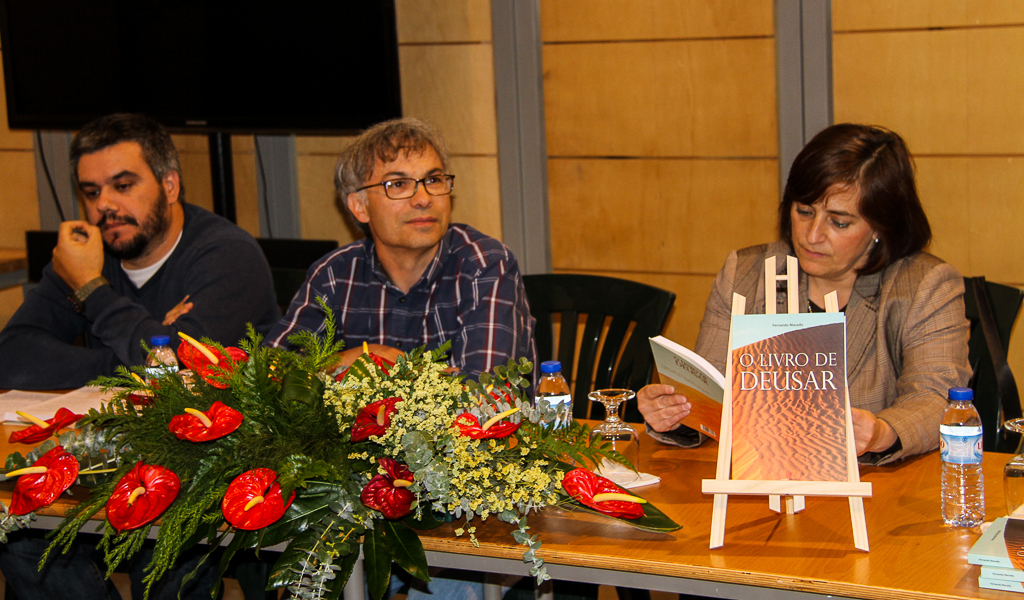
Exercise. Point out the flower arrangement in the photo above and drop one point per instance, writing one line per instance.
(268, 448)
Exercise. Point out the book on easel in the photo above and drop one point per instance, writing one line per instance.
(776, 363)
(694, 377)
(788, 397)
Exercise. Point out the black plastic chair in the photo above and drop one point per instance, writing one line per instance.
(992, 309)
(620, 317)
(289, 259)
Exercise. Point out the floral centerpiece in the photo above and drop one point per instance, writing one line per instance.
(266, 448)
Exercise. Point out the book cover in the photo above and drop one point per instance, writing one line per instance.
(1000, 584)
(694, 377)
(1006, 574)
(789, 397)
(1002, 545)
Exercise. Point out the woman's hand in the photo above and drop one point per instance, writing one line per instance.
(662, 407)
(870, 433)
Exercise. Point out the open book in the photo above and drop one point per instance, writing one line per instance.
(695, 378)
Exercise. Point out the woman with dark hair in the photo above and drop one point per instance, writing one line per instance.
(851, 215)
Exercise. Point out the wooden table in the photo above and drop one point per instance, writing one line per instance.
(793, 556)
(766, 555)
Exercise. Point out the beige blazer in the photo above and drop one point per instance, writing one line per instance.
(906, 337)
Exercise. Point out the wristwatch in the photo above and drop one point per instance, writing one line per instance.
(77, 298)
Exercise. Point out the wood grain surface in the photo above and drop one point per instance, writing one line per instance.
(913, 556)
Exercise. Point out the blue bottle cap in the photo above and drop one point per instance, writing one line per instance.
(160, 340)
(550, 366)
(961, 394)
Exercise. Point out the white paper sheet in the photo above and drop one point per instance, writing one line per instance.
(624, 477)
(45, 405)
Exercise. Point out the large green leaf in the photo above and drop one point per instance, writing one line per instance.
(406, 549)
(653, 520)
(309, 506)
(281, 574)
(302, 386)
(377, 562)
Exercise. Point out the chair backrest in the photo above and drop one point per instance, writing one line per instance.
(995, 390)
(636, 311)
(289, 260)
(39, 247)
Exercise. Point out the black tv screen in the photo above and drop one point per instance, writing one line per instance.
(208, 65)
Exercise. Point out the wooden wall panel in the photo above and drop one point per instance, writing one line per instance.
(649, 215)
(440, 21)
(321, 216)
(452, 86)
(995, 84)
(911, 82)
(589, 20)
(693, 98)
(996, 218)
(10, 300)
(944, 189)
(920, 14)
(477, 199)
(18, 203)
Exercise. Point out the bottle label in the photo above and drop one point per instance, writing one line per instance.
(960, 444)
(562, 403)
(156, 372)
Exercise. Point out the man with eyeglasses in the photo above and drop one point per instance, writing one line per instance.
(416, 279)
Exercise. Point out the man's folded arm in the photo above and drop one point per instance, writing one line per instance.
(37, 348)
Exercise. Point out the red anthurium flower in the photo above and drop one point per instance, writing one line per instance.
(374, 419)
(253, 500)
(469, 426)
(198, 426)
(43, 429)
(384, 364)
(210, 370)
(41, 483)
(141, 496)
(584, 486)
(388, 493)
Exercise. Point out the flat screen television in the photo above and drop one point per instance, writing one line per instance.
(202, 65)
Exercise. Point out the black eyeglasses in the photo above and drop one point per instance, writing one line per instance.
(405, 187)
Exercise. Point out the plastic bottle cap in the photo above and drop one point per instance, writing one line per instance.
(550, 366)
(160, 340)
(960, 393)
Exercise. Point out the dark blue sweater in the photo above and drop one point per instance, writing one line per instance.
(216, 263)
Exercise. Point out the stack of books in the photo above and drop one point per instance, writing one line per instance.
(1000, 553)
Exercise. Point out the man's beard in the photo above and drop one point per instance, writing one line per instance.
(153, 226)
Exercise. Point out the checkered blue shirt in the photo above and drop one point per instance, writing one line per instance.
(471, 293)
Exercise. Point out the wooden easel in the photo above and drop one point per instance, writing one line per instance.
(794, 491)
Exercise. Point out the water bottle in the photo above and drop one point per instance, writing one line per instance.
(963, 487)
(161, 360)
(553, 391)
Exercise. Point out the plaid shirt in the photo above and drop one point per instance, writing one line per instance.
(471, 294)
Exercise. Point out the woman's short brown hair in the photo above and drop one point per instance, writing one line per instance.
(876, 162)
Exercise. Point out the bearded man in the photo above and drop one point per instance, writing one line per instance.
(143, 264)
